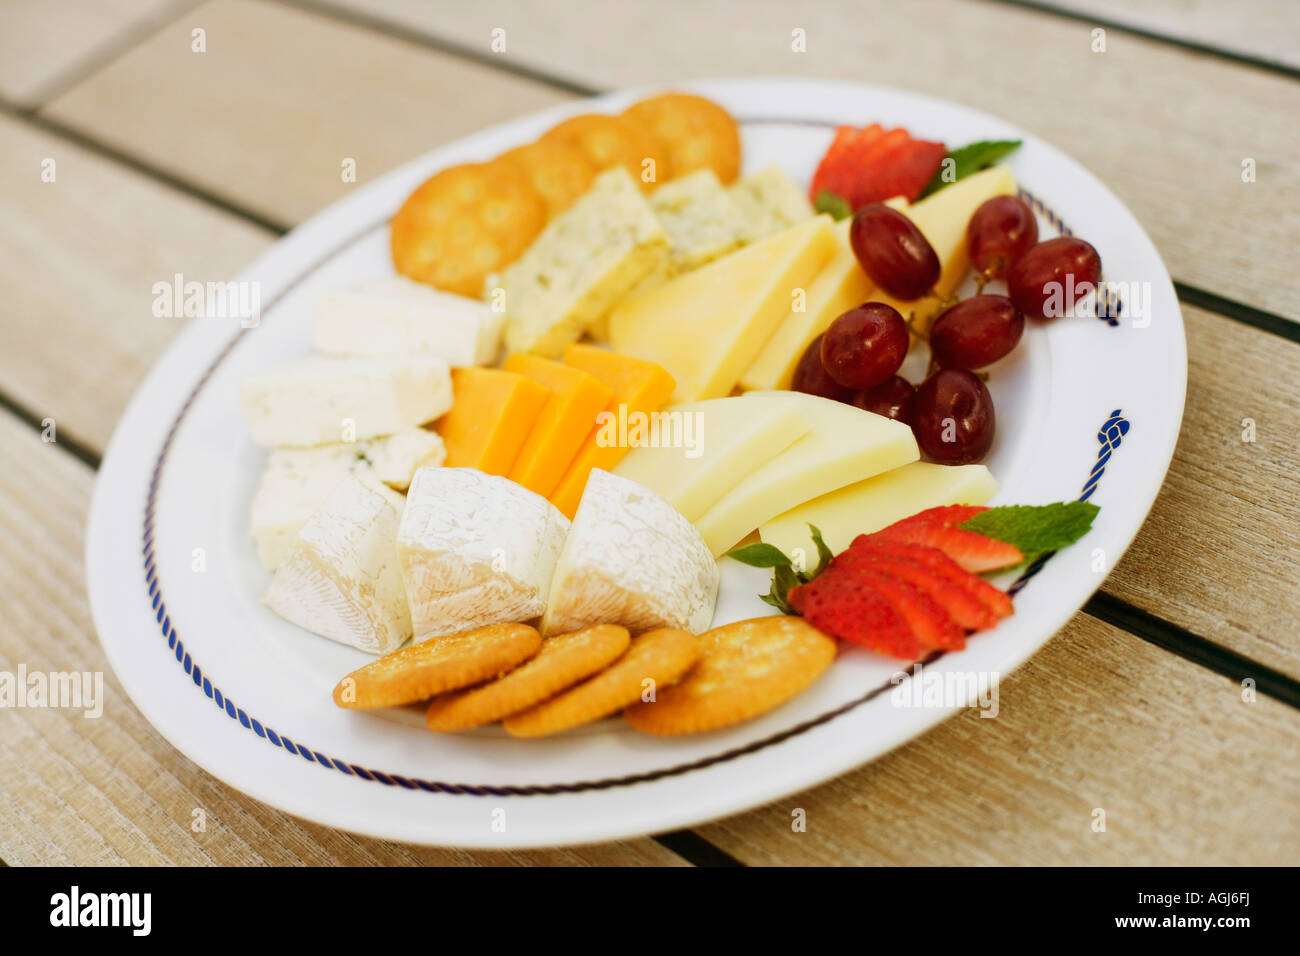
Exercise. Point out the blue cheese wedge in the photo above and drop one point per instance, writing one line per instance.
(769, 203)
(584, 261)
(396, 316)
(475, 549)
(298, 481)
(341, 579)
(321, 400)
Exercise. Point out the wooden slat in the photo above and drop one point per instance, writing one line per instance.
(281, 97)
(78, 260)
(1262, 29)
(43, 41)
(1186, 772)
(111, 790)
(1220, 552)
(1165, 128)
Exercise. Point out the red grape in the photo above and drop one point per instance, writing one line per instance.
(865, 345)
(953, 417)
(1052, 276)
(1001, 231)
(893, 252)
(976, 332)
(894, 398)
(810, 375)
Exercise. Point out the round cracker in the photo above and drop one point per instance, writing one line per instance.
(613, 141)
(697, 133)
(465, 223)
(559, 171)
(661, 656)
(448, 662)
(562, 661)
(745, 669)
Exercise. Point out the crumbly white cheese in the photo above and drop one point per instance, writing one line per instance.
(297, 481)
(475, 549)
(396, 316)
(584, 261)
(631, 559)
(341, 579)
(769, 202)
(320, 400)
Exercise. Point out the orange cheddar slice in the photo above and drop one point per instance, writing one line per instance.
(491, 414)
(567, 418)
(638, 386)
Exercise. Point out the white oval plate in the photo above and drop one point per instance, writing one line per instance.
(247, 696)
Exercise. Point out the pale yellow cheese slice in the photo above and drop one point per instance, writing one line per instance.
(942, 219)
(870, 505)
(708, 446)
(706, 327)
(845, 445)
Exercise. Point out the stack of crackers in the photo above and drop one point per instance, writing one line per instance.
(665, 681)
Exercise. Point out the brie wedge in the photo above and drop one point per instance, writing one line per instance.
(631, 559)
(340, 578)
(297, 481)
(396, 316)
(321, 400)
(475, 549)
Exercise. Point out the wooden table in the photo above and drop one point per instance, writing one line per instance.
(172, 161)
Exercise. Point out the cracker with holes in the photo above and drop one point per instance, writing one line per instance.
(613, 141)
(697, 133)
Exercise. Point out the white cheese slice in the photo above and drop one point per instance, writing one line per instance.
(476, 549)
(297, 481)
(846, 444)
(584, 261)
(396, 316)
(631, 559)
(321, 400)
(713, 445)
(867, 506)
(340, 579)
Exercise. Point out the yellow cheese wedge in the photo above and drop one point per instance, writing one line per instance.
(714, 444)
(706, 327)
(638, 387)
(845, 445)
(565, 420)
(870, 505)
(942, 219)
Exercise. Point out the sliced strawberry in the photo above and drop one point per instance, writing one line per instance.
(935, 574)
(926, 618)
(869, 157)
(974, 552)
(843, 603)
(905, 170)
(839, 169)
(951, 515)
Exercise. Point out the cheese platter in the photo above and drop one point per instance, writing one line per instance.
(579, 483)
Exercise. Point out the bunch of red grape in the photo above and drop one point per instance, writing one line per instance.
(858, 357)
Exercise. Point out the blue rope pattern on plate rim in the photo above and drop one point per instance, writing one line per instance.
(1110, 435)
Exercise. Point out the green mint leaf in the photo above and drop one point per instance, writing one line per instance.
(969, 159)
(760, 556)
(837, 206)
(1035, 529)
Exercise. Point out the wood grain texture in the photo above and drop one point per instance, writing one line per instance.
(1263, 29)
(266, 117)
(44, 41)
(1165, 128)
(1220, 552)
(1185, 770)
(78, 260)
(110, 790)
